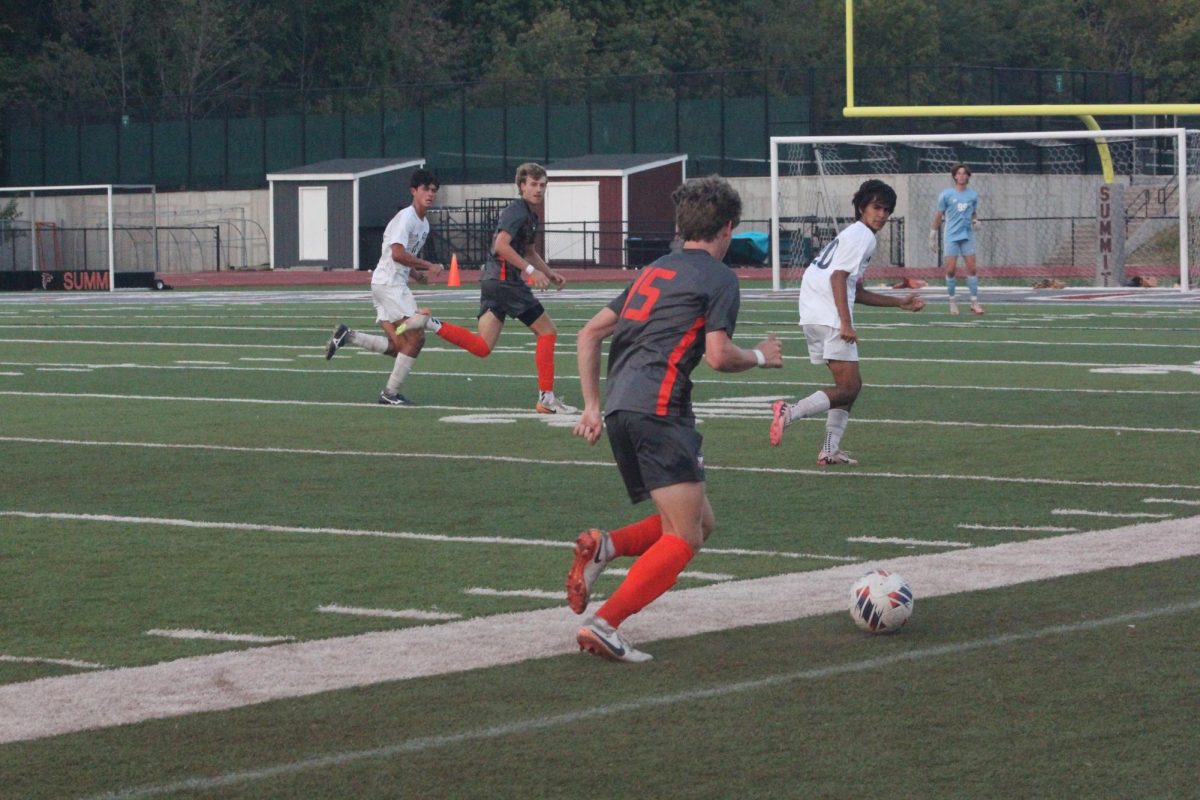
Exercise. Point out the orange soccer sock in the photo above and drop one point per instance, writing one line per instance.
(461, 337)
(648, 578)
(636, 538)
(544, 358)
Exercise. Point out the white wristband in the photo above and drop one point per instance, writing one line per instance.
(759, 357)
(530, 269)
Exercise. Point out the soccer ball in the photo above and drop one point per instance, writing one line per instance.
(881, 602)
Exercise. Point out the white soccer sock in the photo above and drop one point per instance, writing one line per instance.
(399, 372)
(835, 427)
(810, 406)
(376, 344)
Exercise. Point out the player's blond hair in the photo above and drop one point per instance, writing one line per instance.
(703, 206)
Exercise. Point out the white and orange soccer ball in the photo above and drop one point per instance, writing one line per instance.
(881, 601)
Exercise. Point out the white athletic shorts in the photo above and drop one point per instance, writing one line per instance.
(825, 344)
(392, 303)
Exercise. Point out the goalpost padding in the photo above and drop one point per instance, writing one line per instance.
(96, 237)
(1040, 201)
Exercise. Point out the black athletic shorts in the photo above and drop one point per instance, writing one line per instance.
(511, 299)
(653, 452)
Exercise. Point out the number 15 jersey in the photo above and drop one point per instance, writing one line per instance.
(663, 317)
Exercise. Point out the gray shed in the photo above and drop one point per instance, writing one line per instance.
(319, 212)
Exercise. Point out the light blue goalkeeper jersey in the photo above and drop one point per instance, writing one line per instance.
(957, 209)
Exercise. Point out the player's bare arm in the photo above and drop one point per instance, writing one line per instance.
(502, 247)
(724, 356)
(910, 302)
(422, 270)
(587, 350)
(841, 300)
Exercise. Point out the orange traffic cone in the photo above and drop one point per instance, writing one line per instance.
(454, 279)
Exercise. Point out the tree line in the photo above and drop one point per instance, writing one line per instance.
(167, 55)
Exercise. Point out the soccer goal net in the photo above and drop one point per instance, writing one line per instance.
(1102, 207)
(98, 237)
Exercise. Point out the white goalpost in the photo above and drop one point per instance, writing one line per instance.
(1091, 205)
(78, 237)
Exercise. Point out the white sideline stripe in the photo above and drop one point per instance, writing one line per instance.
(422, 537)
(641, 704)
(1017, 528)
(1083, 512)
(64, 369)
(1171, 500)
(251, 358)
(60, 662)
(184, 363)
(12, 374)
(53, 706)
(393, 613)
(824, 473)
(895, 540)
(216, 636)
(538, 594)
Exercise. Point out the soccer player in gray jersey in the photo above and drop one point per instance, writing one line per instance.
(503, 292)
(681, 308)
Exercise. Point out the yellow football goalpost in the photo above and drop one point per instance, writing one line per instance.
(1087, 113)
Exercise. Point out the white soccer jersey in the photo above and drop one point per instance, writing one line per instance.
(407, 229)
(850, 252)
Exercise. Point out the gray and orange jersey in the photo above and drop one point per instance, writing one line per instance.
(663, 318)
(519, 221)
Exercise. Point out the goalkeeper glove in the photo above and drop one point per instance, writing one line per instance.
(933, 241)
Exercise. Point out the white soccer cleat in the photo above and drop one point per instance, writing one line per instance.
(416, 322)
(549, 404)
(976, 308)
(834, 459)
(601, 639)
(588, 564)
(953, 307)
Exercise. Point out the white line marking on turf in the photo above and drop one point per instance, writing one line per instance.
(393, 613)
(64, 369)
(1083, 512)
(635, 706)
(823, 473)
(250, 358)
(61, 662)
(894, 540)
(537, 594)
(970, 526)
(217, 636)
(192, 363)
(423, 537)
(1171, 500)
(53, 706)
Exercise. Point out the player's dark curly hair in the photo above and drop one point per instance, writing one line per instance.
(877, 191)
(703, 206)
(423, 177)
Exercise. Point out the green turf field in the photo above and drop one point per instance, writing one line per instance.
(191, 462)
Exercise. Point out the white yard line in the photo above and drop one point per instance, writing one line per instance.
(389, 613)
(54, 706)
(58, 662)
(897, 540)
(217, 636)
(1084, 512)
(170, 522)
(970, 526)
